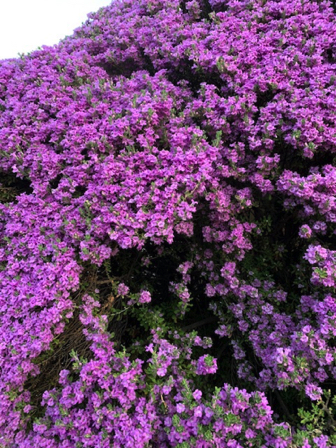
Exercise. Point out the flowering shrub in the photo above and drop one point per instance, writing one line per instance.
(167, 229)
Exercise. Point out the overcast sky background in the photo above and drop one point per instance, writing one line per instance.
(26, 25)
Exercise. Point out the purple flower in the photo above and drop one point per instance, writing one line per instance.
(206, 364)
(180, 408)
(314, 392)
(123, 290)
(145, 297)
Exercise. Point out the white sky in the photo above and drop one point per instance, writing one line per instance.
(26, 25)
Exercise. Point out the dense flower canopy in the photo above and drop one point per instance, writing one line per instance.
(167, 229)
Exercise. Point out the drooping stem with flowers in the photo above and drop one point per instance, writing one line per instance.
(167, 229)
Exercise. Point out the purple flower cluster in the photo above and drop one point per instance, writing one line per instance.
(197, 137)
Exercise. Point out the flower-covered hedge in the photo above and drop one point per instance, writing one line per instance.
(167, 229)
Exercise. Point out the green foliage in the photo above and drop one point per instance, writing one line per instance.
(319, 419)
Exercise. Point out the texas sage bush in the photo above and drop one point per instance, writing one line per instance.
(167, 227)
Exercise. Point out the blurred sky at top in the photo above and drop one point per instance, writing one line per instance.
(26, 25)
